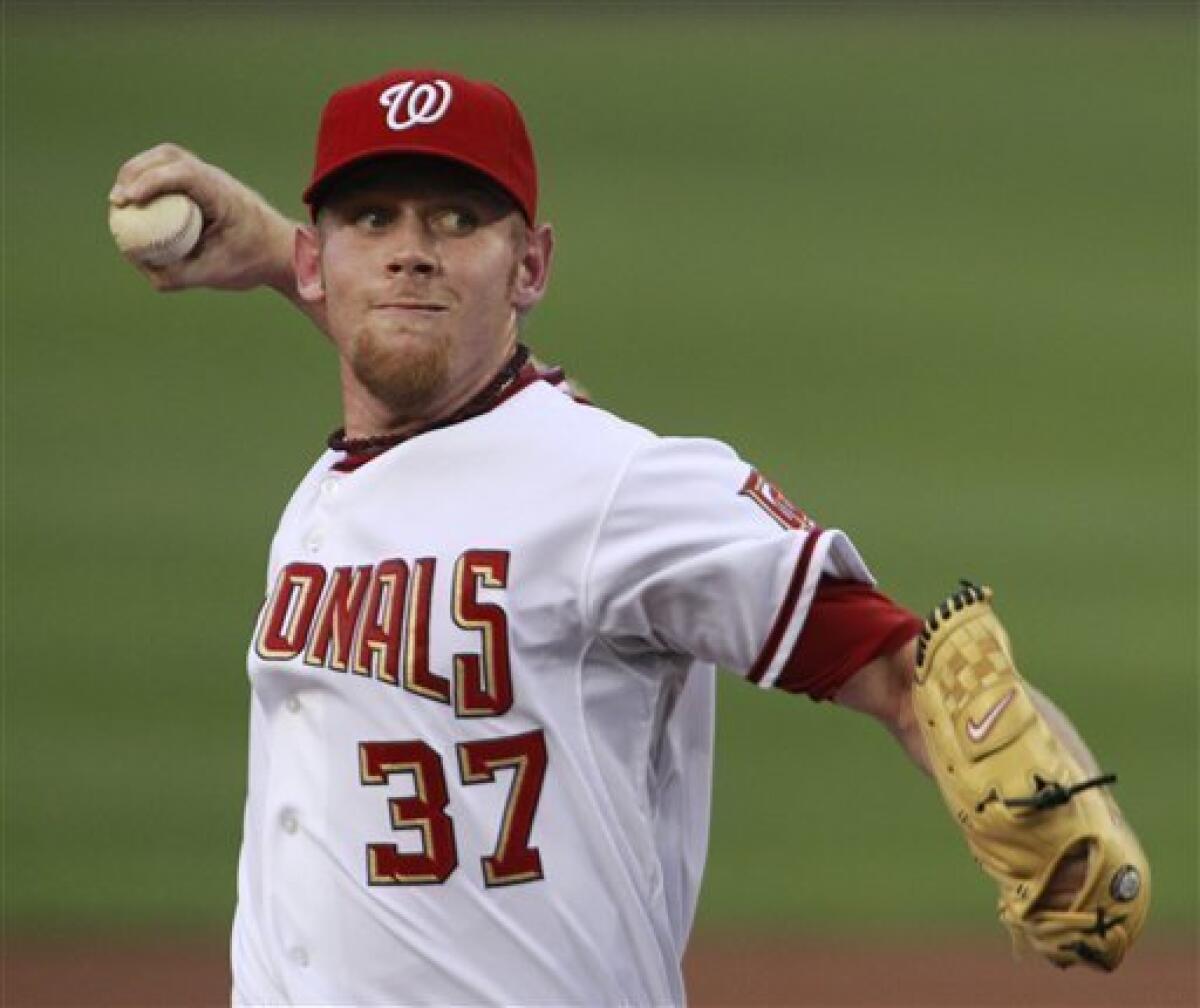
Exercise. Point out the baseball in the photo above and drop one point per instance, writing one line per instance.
(157, 233)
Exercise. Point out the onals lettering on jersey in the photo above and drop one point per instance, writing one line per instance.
(373, 621)
(772, 500)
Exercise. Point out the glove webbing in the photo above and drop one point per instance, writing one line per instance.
(967, 595)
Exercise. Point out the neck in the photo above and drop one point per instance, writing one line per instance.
(374, 435)
(365, 415)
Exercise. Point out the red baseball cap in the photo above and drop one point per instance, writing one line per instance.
(430, 112)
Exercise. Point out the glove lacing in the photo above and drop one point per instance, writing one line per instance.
(1047, 794)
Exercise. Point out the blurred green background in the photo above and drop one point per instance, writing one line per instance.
(932, 268)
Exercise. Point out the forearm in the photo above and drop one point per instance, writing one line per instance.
(907, 732)
(276, 269)
(883, 689)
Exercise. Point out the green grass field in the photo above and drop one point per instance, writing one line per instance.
(933, 269)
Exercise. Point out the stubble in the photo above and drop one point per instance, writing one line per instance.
(408, 383)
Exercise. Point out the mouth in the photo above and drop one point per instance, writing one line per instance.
(407, 305)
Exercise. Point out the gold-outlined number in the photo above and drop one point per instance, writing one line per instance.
(426, 811)
(513, 861)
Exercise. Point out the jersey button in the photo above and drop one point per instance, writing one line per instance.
(299, 955)
(293, 704)
(314, 540)
(329, 486)
(289, 822)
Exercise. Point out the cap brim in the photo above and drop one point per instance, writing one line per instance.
(314, 193)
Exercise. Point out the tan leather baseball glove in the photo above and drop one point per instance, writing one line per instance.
(1022, 799)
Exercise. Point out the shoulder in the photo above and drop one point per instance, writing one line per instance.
(590, 452)
(558, 416)
(555, 421)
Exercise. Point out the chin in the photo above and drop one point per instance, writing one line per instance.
(406, 371)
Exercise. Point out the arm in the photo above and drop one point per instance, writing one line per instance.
(246, 242)
(883, 689)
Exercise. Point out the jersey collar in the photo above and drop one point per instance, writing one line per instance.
(518, 373)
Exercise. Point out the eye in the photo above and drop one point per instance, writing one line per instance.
(372, 218)
(455, 221)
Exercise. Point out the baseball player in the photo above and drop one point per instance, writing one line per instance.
(482, 677)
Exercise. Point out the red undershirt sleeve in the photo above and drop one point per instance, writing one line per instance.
(849, 624)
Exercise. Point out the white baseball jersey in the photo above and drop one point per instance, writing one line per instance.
(482, 709)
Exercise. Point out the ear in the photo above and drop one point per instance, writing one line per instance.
(533, 268)
(306, 260)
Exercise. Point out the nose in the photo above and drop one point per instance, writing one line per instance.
(412, 251)
(412, 262)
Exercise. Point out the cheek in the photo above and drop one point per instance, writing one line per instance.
(343, 280)
(335, 274)
(492, 277)
(346, 322)
(346, 260)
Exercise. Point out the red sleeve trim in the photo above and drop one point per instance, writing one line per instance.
(786, 609)
(849, 624)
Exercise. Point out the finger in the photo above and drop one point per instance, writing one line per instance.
(186, 177)
(193, 270)
(129, 174)
(155, 275)
(158, 154)
(161, 278)
(176, 277)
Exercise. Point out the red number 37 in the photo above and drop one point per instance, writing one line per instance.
(512, 861)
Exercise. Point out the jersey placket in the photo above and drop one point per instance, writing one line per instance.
(293, 826)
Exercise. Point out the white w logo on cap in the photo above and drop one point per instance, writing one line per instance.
(424, 103)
